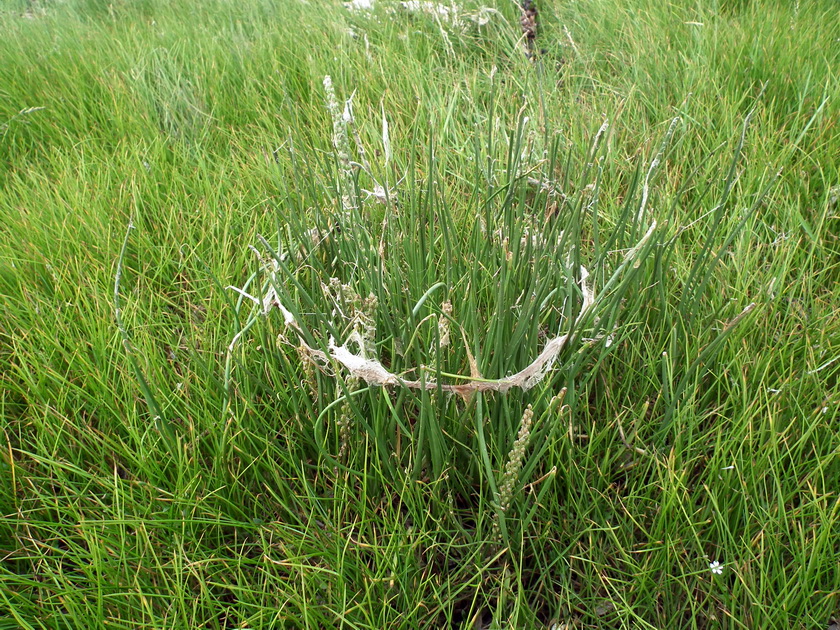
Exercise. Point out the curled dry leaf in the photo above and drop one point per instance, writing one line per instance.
(374, 373)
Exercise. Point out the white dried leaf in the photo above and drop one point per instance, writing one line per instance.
(386, 139)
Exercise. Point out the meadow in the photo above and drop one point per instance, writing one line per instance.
(414, 314)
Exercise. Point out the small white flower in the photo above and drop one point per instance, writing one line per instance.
(716, 568)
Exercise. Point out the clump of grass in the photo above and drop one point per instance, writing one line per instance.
(538, 285)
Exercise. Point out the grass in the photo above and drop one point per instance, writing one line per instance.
(172, 482)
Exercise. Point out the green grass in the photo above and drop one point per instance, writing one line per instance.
(170, 482)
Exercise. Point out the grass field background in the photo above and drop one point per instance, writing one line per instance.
(167, 482)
